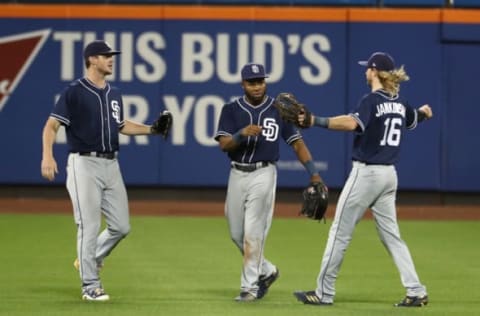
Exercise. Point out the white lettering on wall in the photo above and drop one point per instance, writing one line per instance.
(205, 62)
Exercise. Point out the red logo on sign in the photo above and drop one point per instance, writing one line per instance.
(18, 52)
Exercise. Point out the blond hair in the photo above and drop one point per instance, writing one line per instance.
(391, 80)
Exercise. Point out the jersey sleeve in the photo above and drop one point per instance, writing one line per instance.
(225, 123)
(290, 133)
(411, 117)
(121, 124)
(362, 114)
(61, 111)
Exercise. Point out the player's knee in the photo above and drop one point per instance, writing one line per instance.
(124, 230)
(121, 230)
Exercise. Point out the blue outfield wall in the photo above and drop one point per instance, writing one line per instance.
(190, 66)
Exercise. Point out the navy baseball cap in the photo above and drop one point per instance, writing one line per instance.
(99, 48)
(253, 71)
(380, 61)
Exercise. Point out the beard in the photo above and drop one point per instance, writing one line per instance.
(256, 98)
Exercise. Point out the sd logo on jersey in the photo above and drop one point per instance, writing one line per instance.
(270, 129)
(18, 52)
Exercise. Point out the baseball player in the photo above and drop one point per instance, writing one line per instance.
(249, 131)
(379, 121)
(92, 112)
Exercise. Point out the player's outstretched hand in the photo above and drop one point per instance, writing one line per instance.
(305, 121)
(427, 110)
(162, 124)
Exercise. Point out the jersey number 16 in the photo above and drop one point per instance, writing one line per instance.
(392, 134)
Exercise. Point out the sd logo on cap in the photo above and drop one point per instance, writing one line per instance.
(253, 71)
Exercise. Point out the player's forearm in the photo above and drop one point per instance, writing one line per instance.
(48, 137)
(342, 123)
(48, 140)
(339, 123)
(229, 143)
(302, 152)
(134, 128)
(305, 157)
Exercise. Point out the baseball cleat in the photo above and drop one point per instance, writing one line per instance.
(413, 301)
(97, 294)
(245, 297)
(265, 282)
(309, 297)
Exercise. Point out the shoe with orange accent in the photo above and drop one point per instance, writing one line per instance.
(309, 297)
(413, 301)
(76, 265)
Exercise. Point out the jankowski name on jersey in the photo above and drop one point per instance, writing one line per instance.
(390, 107)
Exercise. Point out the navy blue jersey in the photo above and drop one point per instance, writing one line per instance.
(381, 119)
(264, 147)
(92, 116)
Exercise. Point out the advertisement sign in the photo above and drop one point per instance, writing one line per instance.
(187, 60)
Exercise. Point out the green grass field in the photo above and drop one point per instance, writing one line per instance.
(189, 266)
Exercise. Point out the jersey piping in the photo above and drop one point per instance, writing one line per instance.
(249, 137)
(62, 119)
(101, 109)
(258, 123)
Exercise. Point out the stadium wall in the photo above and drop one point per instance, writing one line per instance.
(187, 58)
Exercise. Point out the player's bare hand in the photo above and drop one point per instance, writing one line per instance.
(302, 117)
(316, 178)
(427, 110)
(251, 130)
(49, 168)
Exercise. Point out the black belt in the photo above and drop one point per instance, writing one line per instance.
(249, 167)
(106, 155)
(372, 164)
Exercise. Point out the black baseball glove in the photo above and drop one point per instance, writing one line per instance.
(315, 201)
(162, 124)
(290, 109)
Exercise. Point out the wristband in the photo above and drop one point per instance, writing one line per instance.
(421, 116)
(238, 137)
(321, 121)
(310, 167)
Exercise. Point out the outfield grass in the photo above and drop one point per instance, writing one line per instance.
(189, 266)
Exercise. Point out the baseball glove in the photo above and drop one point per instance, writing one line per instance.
(162, 124)
(290, 109)
(315, 201)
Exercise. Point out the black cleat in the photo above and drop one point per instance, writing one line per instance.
(265, 282)
(413, 301)
(309, 297)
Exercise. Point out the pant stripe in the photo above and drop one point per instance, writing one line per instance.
(325, 269)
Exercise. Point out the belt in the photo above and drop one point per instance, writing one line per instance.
(106, 155)
(370, 163)
(249, 167)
